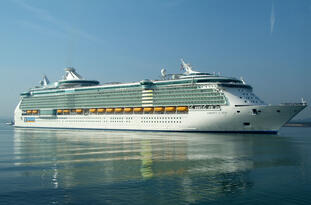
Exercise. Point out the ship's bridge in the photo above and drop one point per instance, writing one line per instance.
(202, 78)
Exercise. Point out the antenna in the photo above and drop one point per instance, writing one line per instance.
(241, 78)
(45, 81)
(163, 73)
(303, 101)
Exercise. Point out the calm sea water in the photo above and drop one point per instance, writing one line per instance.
(41, 166)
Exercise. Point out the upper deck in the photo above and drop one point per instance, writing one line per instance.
(73, 82)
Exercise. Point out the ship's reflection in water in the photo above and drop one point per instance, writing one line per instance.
(76, 166)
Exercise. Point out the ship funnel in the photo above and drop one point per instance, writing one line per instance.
(71, 74)
(187, 67)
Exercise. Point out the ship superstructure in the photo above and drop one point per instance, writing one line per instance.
(192, 101)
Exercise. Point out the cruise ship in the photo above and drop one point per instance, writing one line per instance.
(190, 102)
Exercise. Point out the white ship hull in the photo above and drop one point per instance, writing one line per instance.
(269, 118)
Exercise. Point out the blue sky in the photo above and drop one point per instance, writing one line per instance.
(267, 42)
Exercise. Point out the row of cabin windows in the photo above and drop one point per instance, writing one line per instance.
(114, 98)
(160, 121)
(155, 102)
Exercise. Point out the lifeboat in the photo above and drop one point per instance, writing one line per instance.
(170, 109)
(128, 109)
(109, 109)
(159, 109)
(182, 109)
(35, 112)
(101, 110)
(79, 110)
(148, 109)
(59, 111)
(92, 110)
(138, 109)
(28, 111)
(119, 109)
(66, 111)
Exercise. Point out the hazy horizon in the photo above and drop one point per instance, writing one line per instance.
(266, 42)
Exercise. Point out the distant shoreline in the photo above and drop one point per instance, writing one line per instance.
(298, 124)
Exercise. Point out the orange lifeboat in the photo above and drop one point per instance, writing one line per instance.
(148, 109)
(59, 111)
(128, 109)
(182, 109)
(170, 109)
(66, 111)
(109, 109)
(35, 112)
(119, 109)
(79, 110)
(92, 110)
(159, 109)
(101, 110)
(28, 111)
(138, 109)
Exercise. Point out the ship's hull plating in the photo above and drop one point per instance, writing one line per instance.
(259, 118)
